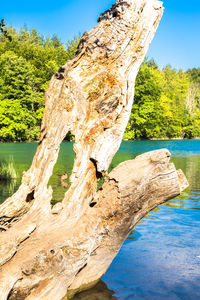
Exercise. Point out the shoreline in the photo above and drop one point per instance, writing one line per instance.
(163, 139)
(124, 140)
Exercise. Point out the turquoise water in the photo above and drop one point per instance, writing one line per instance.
(161, 257)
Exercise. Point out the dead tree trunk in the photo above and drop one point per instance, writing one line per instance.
(47, 252)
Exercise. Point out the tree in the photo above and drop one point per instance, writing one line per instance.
(45, 251)
(27, 62)
(165, 104)
(4, 30)
(20, 102)
(146, 115)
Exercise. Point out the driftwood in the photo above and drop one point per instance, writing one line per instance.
(45, 251)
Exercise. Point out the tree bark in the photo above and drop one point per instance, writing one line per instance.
(46, 252)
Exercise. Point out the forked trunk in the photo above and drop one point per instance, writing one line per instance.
(47, 252)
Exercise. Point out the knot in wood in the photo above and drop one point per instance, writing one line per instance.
(59, 74)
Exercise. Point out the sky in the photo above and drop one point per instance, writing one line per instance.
(177, 40)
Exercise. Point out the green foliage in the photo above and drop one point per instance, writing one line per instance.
(4, 31)
(166, 103)
(72, 46)
(194, 75)
(7, 170)
(145, 111)
(27, 63)
(20, 101)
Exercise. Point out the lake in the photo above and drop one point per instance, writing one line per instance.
(161, 257)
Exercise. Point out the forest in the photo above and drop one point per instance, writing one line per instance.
(166, 102)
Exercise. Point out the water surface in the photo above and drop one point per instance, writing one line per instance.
(161, 257)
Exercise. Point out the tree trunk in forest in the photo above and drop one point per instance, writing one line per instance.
(46, 252)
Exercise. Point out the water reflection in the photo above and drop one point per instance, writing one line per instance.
(160, 259)
(99, 292)
(7, 188)
(185, 155)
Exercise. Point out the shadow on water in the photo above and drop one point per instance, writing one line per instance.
(99, 292)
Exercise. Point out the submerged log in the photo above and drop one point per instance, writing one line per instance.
(45, 251)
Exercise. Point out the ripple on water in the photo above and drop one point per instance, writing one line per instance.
(161, 257)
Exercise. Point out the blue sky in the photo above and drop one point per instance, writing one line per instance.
(177, 40)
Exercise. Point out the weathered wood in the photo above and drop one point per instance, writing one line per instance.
(47, 252)
(75, 257)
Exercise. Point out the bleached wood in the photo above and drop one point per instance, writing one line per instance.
(47, 252)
